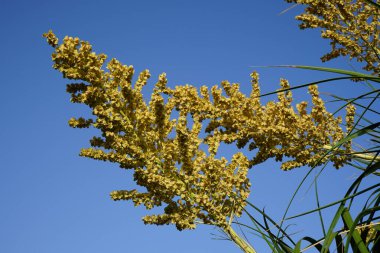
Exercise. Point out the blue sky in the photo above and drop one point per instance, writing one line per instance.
(51, 199)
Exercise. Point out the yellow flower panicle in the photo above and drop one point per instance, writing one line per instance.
(351, 26)
(166, 155)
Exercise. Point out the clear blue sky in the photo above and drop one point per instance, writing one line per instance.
(52, 200)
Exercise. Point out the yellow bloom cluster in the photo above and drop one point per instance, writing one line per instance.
(351, 26)
(167, 155)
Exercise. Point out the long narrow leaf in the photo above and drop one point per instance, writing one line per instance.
(318, 206)
(351, 100)
(357, 98)
(313, 244)
(272, 221)
(293, 197)
(332, 70)
(357, 240)
(330, 235)
(307, 84)
(336, 202)
(275, 239)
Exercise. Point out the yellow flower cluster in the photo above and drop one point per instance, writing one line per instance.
(167, 155)
(275, 130)
(351, 26)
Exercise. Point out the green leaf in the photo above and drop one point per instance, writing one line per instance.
(331, 70)
(357, 240)
(313, 244)
(307, 84)
(347, 197)
(297, 249)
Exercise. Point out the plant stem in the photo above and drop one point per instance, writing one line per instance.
(239, 241)
(361, 156)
